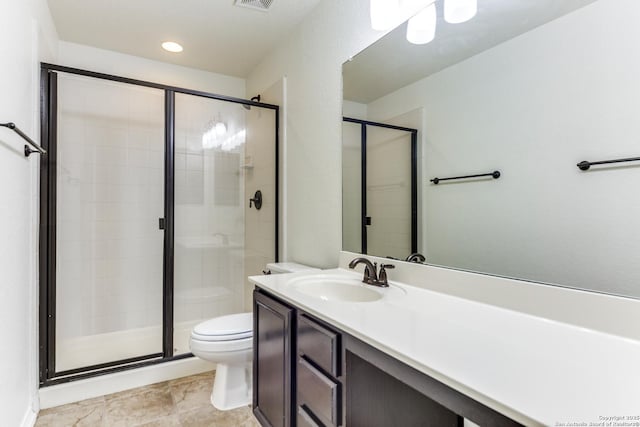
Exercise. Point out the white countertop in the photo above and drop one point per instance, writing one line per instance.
(534, 370)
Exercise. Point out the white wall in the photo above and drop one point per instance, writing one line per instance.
(355, 110)
(119, 64)
(533, 107)
(311, 58)
(27, 35)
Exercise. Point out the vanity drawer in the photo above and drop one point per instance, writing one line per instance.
(305, 419)
(318, 393)
(319, 344)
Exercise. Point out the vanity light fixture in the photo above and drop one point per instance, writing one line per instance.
(172, 47)
(421, 28)
(457, 11)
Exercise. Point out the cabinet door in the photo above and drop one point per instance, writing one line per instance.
(272, 361)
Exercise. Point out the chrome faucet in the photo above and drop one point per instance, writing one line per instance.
(371, 272)
(415, 257)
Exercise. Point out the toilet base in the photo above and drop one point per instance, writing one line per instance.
(232, 386)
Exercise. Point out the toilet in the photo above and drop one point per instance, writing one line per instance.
(228, 342)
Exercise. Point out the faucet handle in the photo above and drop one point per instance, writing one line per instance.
(384, 267)
(416, 257)
(382, 276)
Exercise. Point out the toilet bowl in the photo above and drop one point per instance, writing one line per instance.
(228, 342)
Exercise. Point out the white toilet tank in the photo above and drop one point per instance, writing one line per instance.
(287, 267)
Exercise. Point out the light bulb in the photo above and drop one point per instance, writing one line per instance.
(384, 14)
(457, 11)
(421, 28)
(221, 128)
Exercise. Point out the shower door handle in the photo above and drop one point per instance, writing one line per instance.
(161, 223)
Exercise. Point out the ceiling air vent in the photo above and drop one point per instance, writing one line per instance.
(262, 5)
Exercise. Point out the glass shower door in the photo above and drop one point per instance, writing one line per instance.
(352, 187)
(388, 186)
(110, 193)
(224, 153)
(210, 139)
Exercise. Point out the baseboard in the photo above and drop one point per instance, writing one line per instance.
(113, 383)
(29, 419)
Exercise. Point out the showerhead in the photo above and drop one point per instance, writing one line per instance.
(255, 99)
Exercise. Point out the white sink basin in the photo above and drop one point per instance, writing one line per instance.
(339, 288)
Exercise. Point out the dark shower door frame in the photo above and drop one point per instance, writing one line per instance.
(363, 180)
(48, 206)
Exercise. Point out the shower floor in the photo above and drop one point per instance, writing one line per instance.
(100, 348)
(183, 402)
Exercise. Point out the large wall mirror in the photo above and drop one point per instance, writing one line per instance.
(528, 88)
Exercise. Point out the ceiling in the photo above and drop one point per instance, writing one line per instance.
(392, 62)
(217, 36)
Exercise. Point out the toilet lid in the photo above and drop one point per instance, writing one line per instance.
(224, 328)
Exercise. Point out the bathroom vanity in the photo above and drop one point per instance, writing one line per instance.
(308, 372)
(332, 351)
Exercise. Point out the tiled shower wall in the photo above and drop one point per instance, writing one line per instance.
(259, 173)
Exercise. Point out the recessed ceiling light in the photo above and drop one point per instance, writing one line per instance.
(172, 47)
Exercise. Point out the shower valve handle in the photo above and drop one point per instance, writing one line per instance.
(257, 200)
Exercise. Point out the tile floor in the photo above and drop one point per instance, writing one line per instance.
(178, 403)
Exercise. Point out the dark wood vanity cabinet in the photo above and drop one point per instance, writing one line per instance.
(273, 361)
(308, 373)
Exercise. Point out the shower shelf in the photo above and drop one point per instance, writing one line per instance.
(248, 163)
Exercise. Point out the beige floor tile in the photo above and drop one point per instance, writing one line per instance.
(192, 394)
(170, 421)
(163, 386)
(88, 413)
(209, 374)
(184, 402)
(211, 417)
(148, 405)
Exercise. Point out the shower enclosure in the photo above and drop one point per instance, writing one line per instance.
(146, 228)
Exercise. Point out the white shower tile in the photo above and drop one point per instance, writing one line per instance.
(194, 162)
(138, 158)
